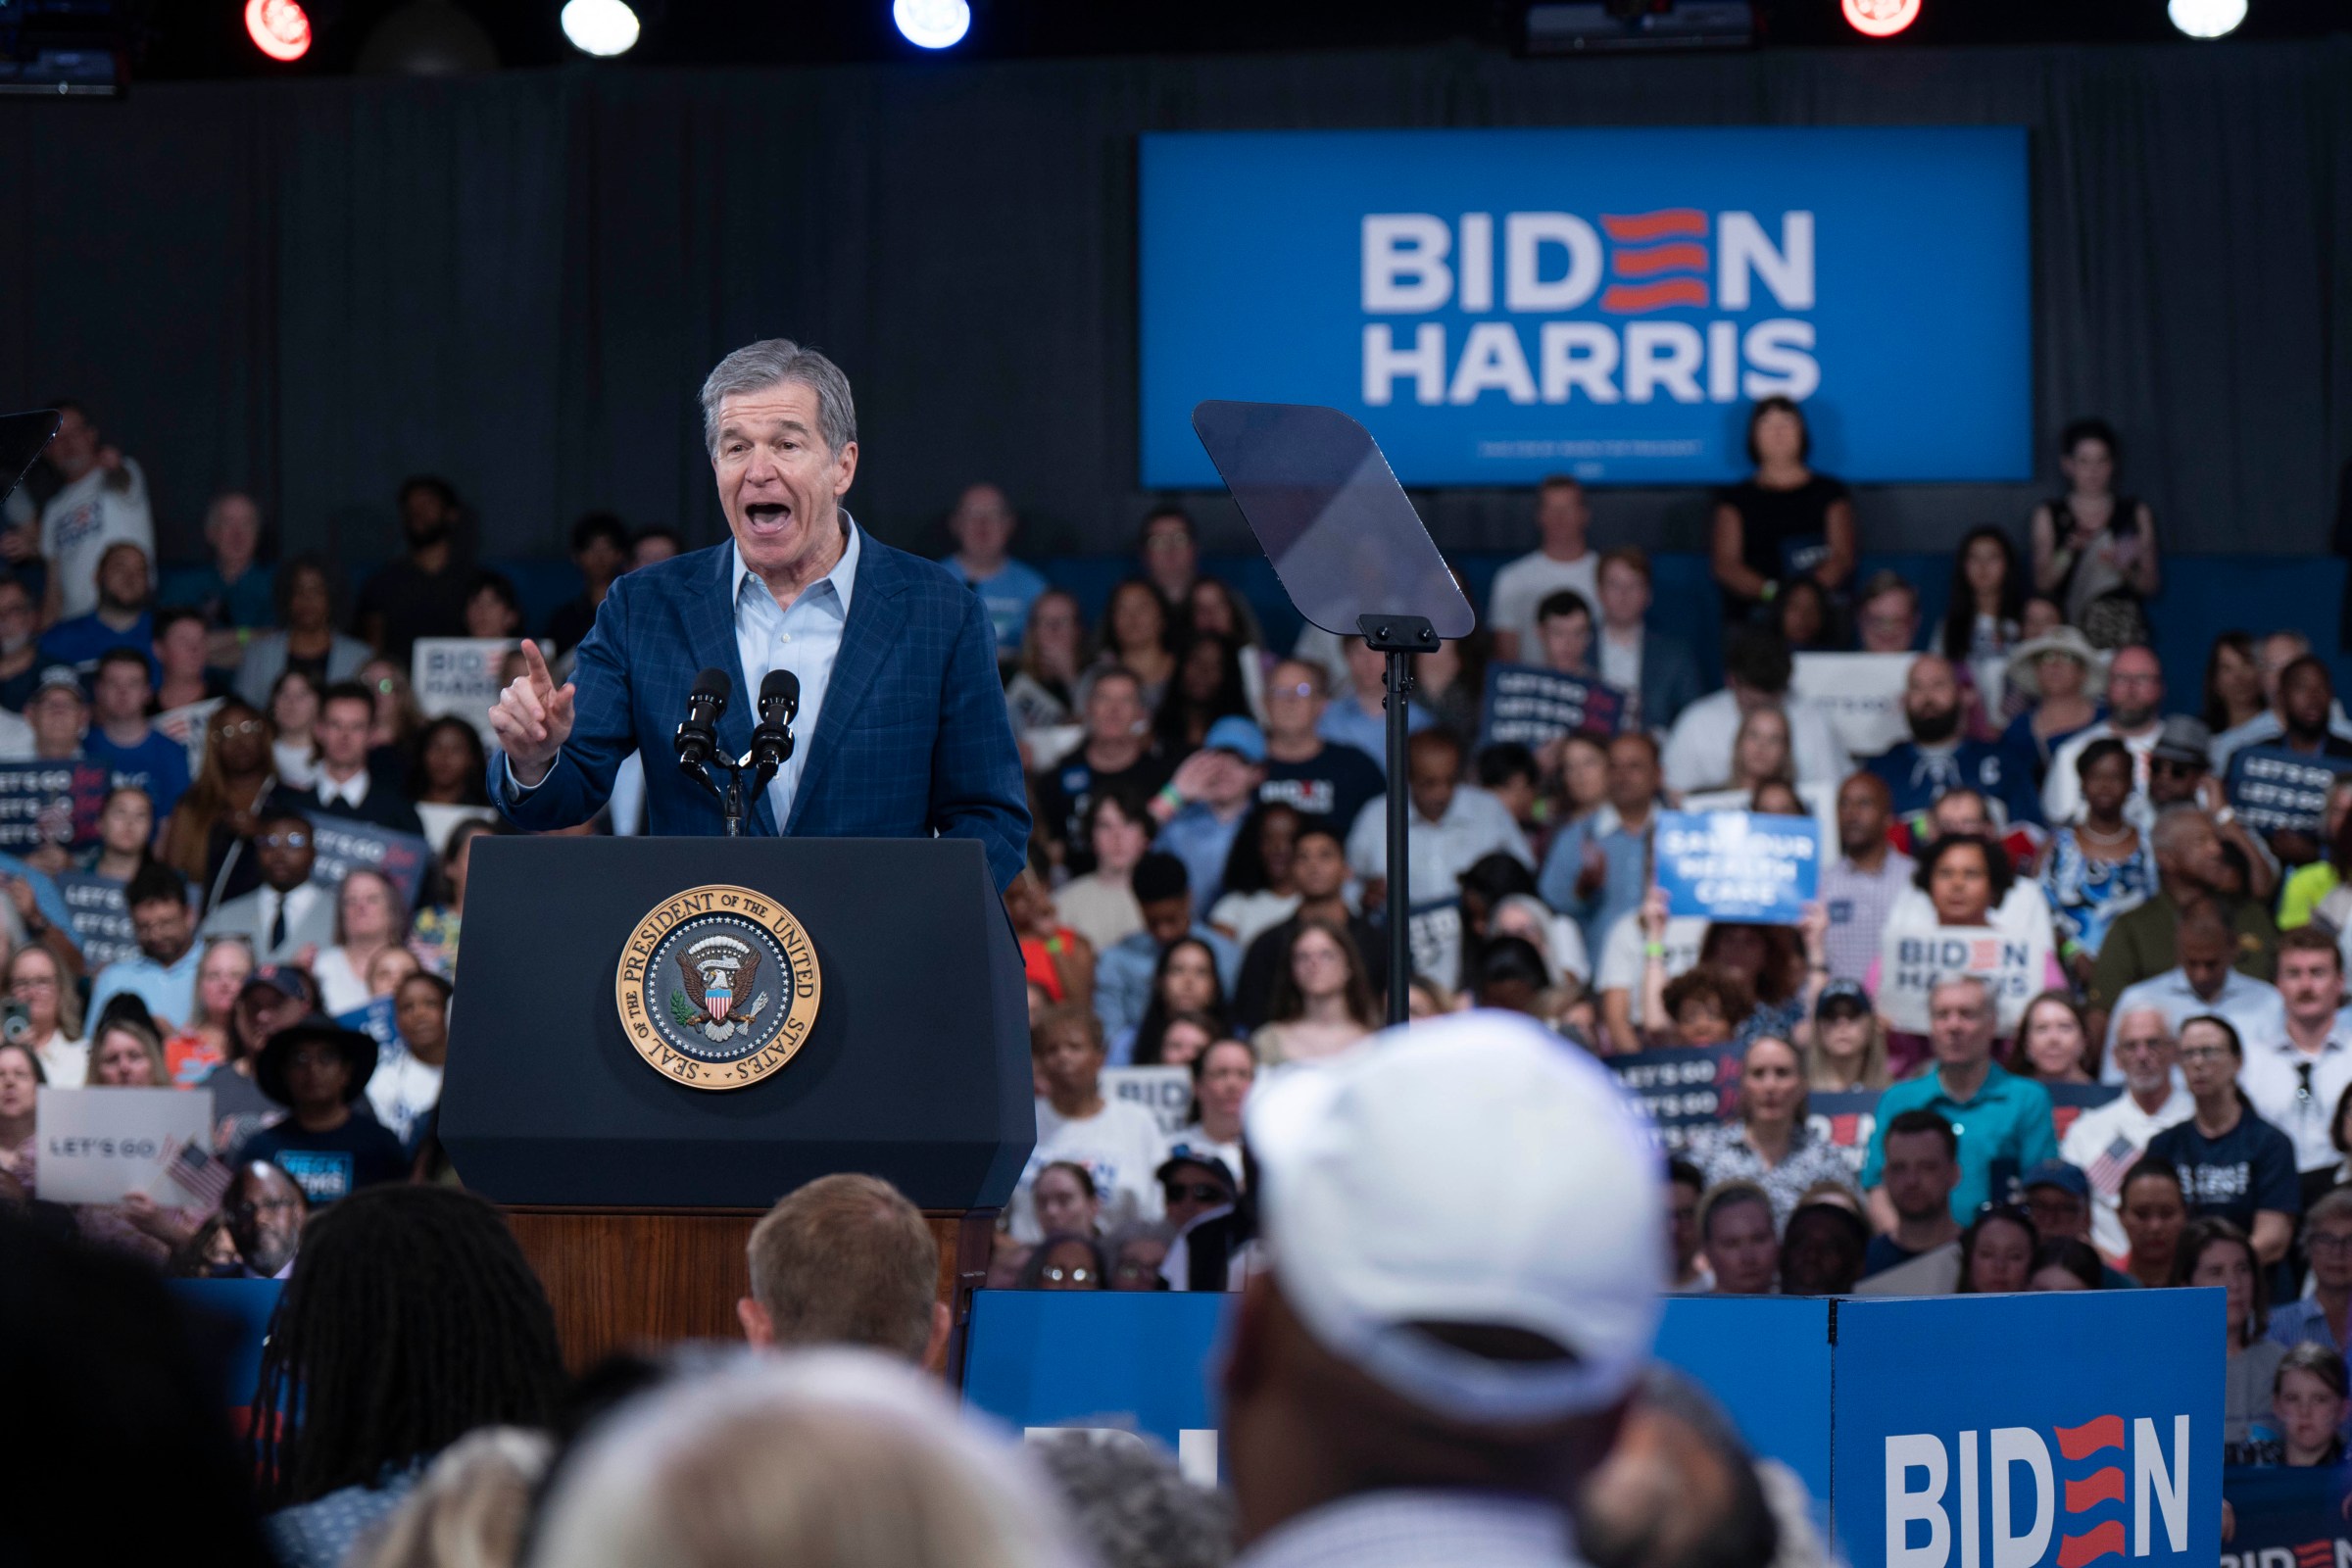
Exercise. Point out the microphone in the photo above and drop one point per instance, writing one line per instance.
(697, 735)
(779, 705)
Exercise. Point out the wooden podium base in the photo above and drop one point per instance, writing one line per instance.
(621, 1277)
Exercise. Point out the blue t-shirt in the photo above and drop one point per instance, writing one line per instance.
(157, 765)
(2248, 1168)
(2005, 1129)
(1883, 1253)
(334, 1165)
(1007, 594)
(1918, 778)
(79, 642)
(1331, 787)
(251, 601)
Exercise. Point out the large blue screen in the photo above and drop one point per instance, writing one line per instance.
(1497, 306)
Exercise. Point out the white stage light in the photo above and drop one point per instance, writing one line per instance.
(604, 28)
(932, 24)
(1880, 19)
(2207, 18)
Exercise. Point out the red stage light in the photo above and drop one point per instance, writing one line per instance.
(1881, 18)
(278, 29)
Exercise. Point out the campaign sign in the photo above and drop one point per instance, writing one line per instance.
(377, 1018)
(190, 725)
(458, 675)
(101, 917)
(345, 846)
(1042, 1362)
(1165, 1092)
(1844, 1119)
(1433, 935)
(1738, 866)
(1532, 706)
(2288, 1518)
(1862, 692)
(1911, 959)
(2278, 791)
(99, 1146)
(2051, 1429)
(1685, 1088)
(1126, 1360)
(51, 803)
(1496, 305)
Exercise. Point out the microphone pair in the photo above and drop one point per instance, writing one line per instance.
(771, 742)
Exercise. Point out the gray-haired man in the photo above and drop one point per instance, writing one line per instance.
(902, 730)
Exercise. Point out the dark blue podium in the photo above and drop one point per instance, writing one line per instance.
(633, 1153)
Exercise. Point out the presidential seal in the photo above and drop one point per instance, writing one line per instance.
(718, 987)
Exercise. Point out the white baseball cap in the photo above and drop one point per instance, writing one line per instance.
(1474, 1169)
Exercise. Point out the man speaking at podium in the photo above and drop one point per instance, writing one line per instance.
(901, 729)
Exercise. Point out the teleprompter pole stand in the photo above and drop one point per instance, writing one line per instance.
(1399, 637)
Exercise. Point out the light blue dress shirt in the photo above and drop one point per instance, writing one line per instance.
(170, 990)
(805, 639)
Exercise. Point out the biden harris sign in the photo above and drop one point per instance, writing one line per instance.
(1497, 306)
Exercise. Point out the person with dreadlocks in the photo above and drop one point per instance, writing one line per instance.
(411, 1319)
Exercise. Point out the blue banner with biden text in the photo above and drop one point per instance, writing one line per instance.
(1497, 306)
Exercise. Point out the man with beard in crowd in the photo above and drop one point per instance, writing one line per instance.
(423, 593)
(2302, 759)
(1938, 758)
(264, 1208)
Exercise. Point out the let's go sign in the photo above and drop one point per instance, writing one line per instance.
(1497, 306)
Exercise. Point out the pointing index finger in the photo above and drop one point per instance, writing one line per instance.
(534, 663)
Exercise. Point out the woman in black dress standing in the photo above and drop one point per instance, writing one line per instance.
(2095, 550)
(1784, 522)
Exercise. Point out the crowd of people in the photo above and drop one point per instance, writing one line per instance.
(2156, 1091)
(1413, 1392)
(2157, 1080)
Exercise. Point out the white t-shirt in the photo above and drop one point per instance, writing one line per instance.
(1622, 957)
(440, 821)
(1621, 667)
(1698, 753)
(16, 738)
(402, 1090)
(1197, 1137)
(1121, 1146)
(2062, 790)
(81, 521)
(1524, 584)
(65, 1064)
(1247, 915)
(2103, 1142)
(341, 988)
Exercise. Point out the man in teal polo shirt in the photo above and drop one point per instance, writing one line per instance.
(1999, 1116)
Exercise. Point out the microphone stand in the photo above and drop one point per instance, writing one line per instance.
(771, 744)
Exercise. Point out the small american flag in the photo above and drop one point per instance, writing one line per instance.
(2106, 1172)
(198, 1174)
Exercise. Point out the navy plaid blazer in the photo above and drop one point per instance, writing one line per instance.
(912, 738)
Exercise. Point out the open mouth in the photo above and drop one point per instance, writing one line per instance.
(767, 516)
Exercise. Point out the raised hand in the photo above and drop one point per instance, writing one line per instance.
(532, 717)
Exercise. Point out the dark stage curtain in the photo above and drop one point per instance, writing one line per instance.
(315, 288)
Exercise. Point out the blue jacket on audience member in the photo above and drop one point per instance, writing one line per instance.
(1670, 679)
(1916, 776)
(1620, 893)
(911, 737)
